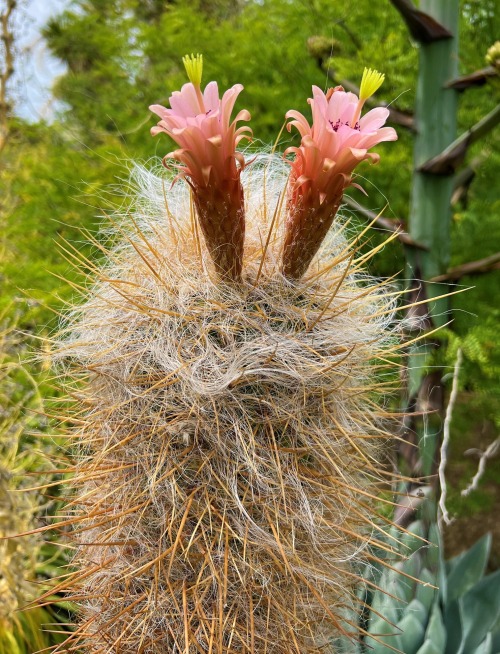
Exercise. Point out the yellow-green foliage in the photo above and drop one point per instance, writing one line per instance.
(22, 563)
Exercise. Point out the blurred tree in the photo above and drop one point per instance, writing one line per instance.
(6, 66)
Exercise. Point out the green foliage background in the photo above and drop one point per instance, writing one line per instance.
(123, 55)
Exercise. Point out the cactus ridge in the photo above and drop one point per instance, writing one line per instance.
(231, 436)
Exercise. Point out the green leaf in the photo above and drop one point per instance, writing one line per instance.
(485, 647)
(467, 568)
(415, 539)
(9, 644)
(454, 628)
(434, 547)
(391, 608)
(412, 627)
(480, 608)
(427, 449)
(411, 567)
(430, 648)
(385, 634)
(436, 631)
(424, 591)
(495, 638)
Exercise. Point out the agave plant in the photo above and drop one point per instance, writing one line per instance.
(434, 607)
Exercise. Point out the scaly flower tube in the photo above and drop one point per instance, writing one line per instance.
(330, 150)
(200, 123)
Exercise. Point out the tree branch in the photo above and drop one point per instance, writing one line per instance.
(489, 453)
(471, 268)
(423, 28)
(464, 179)
(447, 162)
(443, 514)
(7, 69)
(477, 78)
(384, 223)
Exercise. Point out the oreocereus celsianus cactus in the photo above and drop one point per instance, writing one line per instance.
(229, 360)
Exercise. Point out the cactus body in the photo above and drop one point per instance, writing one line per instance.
(230, 441)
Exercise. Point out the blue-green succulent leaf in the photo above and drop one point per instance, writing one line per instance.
(436, 631)
(385, 634)
(480, 609)
(467, 568)
(414, 540)
(485, 647)
(391, 608)
(425, 591)
(453, 626)
(412, 627)
(430, 648)
(433, 550)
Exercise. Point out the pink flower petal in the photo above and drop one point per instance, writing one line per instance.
(242, 115)
(331, 146)
(211, 97)
(227, 103)
(184, 102)
(374, 119)
(201, 125)
(158, 110)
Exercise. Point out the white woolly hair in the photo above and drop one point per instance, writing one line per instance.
(231, 436)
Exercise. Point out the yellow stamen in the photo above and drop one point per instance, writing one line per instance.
(194, 68)
(371, 81)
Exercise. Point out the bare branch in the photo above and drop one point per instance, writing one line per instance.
(385, 223)
(464, 179)
(443, 515)
(470, 268)
(489, 453)
(6, 68)
(477, 78)
(447, 162)
(423, 28)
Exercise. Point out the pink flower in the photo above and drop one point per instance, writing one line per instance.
(200, 123)
(330, 150)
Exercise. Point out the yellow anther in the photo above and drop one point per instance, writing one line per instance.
(371, 81)
(194, 68)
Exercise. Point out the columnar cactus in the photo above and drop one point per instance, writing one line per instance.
(229, 368)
